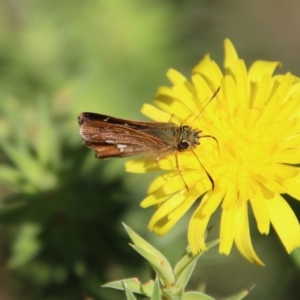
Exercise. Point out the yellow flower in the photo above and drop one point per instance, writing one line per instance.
(255, 118)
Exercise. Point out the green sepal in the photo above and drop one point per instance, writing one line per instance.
(133, 284)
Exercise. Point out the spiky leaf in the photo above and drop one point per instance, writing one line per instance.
(133, 284)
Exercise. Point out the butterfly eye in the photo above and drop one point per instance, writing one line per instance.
(182, 145)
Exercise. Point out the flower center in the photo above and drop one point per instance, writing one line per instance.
(245, 145)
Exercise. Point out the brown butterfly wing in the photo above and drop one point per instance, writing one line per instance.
(112, 137)
(138, 125)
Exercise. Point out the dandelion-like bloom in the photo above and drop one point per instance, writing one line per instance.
(255, 118)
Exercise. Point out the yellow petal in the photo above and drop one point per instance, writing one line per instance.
(203, 89)
(196, 231)
(241, 79)
(210, 71)
(159, 181)
(293, 187)
(242, 235)
(260, 92)
(230, 198)
(176, 93)
(290, 156)
(292, 142)
(284, 87)
(141, 165)
(260, 68)
(155, 114)
(282, 171)
(278, 97)
(175, 77)
(227, 230)
(166, 184)
(210, 202)
(167, 215)
(244, 184)
(181, 209)
(283, 130)
(260, 210)
(154, 199)
(162, 226)
(231, 56)
(162, 212)
(288, 108)
(183, 109)
(230, 95)
(285, 222)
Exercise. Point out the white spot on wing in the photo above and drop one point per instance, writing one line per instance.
(109, 142)
(121, 147)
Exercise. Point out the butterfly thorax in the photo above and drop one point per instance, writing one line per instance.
(178, 137)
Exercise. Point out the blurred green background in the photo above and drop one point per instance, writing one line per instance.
(61, 209)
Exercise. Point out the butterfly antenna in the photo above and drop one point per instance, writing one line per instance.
(212, 97)
(212, 137)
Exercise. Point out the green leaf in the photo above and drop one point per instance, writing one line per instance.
(184, 268)
(196, 296)
(10, 176)
(26, 245)
(156, 295)
(241, 295)
(20, 157)
(129, 294)
(296, 256)
(47, 148)
(185, 275)
(165, 273)
(28, 166)
(152, 255)
(174, 294)
(133, 284)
